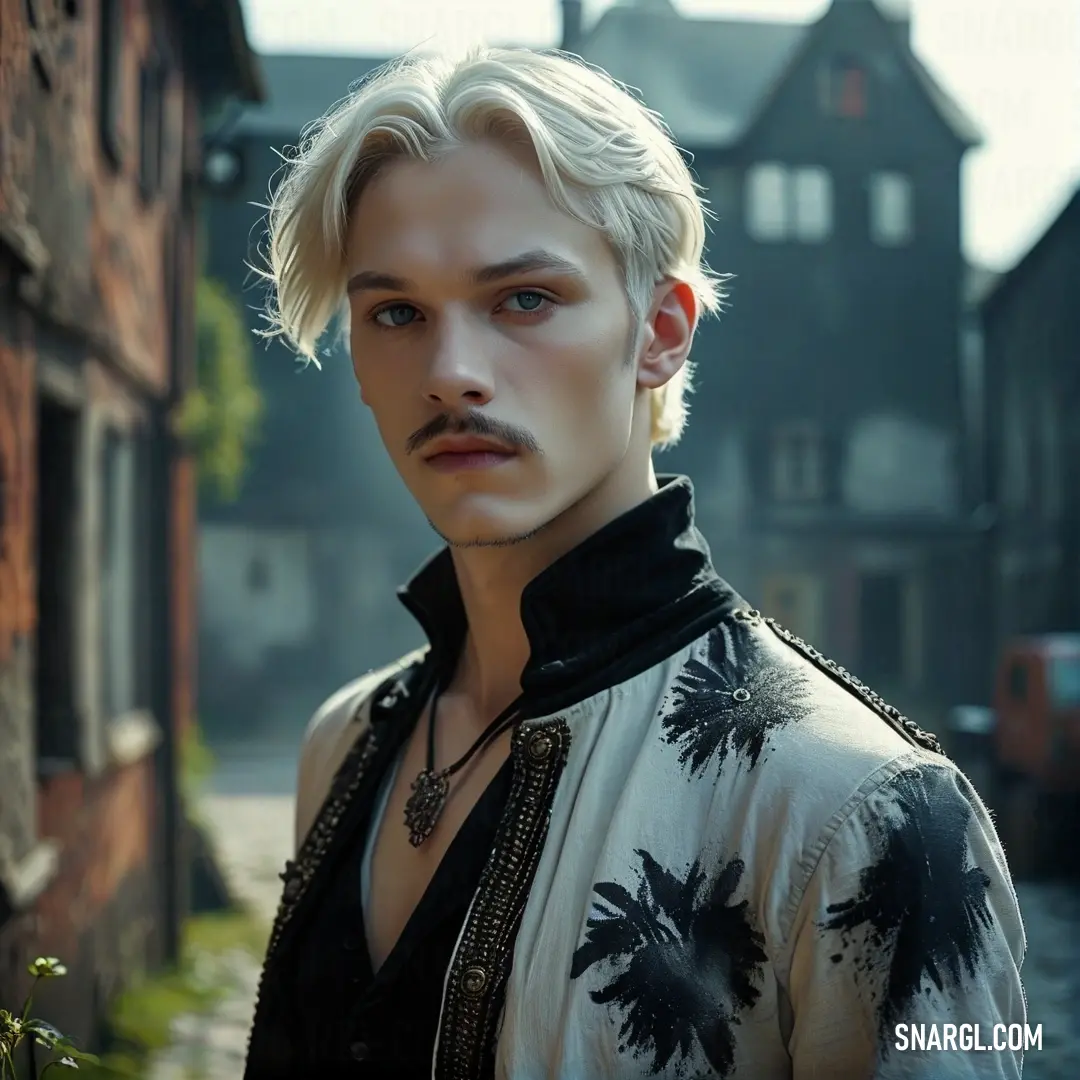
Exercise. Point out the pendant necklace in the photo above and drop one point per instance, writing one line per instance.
(430, 789)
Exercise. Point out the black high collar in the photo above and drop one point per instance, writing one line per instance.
(628, 596)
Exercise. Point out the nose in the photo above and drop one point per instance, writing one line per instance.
(461, 371)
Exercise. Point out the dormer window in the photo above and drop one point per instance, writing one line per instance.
(843, 88)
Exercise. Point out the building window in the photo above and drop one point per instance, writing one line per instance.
(110, 78)
(119, 576)
(58, 551)
(843, 89)
(151, 125)
(766, 202)
(890, 209)
(797, 473)
(789, 204)
(812, 204)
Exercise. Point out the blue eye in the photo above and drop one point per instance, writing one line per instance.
(400, 315)
(528, 299)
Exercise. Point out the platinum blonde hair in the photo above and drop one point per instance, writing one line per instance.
(604, 158)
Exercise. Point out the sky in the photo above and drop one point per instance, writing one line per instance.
(1013, 65)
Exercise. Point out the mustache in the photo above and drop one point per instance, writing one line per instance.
(473, 423)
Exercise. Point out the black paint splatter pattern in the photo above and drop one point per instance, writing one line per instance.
(732, 703)
(684, 963)
(921, 912)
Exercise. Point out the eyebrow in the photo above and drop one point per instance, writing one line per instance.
(527, 262)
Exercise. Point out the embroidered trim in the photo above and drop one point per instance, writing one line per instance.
(481, 964)
(299, 874)
(902, 724)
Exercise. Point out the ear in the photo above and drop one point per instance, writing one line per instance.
(667, 334)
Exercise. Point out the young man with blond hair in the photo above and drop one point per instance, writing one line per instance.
(610, 822)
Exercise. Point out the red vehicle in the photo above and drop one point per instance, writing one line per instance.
(1036, 740)
(1037, 701)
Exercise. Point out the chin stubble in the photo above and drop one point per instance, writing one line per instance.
(480, 542)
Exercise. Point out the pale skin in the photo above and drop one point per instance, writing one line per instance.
(443, 324)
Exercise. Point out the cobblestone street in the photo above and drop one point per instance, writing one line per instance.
(250, 810)
(1052, 977)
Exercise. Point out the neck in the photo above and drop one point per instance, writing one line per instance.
(492, 579)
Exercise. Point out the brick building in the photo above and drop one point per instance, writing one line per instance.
(102, 106)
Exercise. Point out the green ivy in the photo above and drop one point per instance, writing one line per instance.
(220, 417)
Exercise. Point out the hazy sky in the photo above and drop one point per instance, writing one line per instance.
(1014, 65)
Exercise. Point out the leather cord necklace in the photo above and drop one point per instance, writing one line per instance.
(430, 789)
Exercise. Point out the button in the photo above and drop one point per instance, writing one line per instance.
(540, 746)
(352, 943)
(360, 1051)
(473, 981)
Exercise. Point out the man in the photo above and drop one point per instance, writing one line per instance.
(611, 823)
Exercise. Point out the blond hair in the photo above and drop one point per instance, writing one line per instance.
(604, 158)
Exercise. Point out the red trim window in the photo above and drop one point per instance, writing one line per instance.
(844, 89)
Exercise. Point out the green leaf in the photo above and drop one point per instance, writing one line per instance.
(65, 1062)
(65, 1044)
(46, 1034)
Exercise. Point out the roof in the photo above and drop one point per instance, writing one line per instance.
(706, 77)
(300, 88)
(711, 78)
(979, 282)
(958, 121)
(1069, 217)
(216, 49)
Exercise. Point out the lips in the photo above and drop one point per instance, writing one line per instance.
(466, 452)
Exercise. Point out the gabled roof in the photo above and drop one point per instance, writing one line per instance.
(979, 282)
(959, 123)
(1068, 218)
(706, 77)
(711, 78)
(300, 88)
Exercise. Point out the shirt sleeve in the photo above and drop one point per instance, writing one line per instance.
(908, 944)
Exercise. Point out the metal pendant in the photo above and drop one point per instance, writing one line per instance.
(425, 805)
